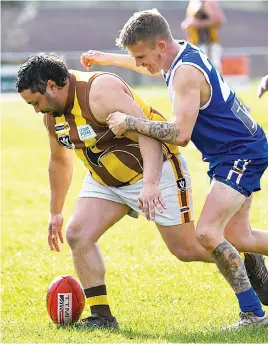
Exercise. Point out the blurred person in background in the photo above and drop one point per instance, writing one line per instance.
(263, 87)
(202, 22)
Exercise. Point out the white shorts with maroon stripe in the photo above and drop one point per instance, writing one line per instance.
(175, 186)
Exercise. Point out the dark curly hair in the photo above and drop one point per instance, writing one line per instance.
(34, 73)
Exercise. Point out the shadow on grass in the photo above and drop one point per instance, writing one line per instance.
(253, 335)
(207, 335)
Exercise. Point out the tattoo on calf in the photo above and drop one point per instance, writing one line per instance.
(163, 131)
(231, 266)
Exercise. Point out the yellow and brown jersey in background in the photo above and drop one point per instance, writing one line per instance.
(111, 160)
(200, 36)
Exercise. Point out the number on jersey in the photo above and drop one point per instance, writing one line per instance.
(225, 89)
(241, 112)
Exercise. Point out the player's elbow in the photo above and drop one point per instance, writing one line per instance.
(183, 138)
(183, 141)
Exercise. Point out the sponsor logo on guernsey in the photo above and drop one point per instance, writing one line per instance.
(62, 127)
(65, 308)
(86, 132)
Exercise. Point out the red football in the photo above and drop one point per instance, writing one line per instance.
(65, 300)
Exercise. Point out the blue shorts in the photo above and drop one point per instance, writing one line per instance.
(241, 175)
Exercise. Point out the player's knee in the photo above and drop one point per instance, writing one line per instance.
(183, 254)
(242, 243)
(73, 236)
(77, 236)
(205, 237)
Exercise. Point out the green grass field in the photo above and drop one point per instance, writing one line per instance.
(156, 298)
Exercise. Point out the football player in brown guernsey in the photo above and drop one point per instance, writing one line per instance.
(126, 175)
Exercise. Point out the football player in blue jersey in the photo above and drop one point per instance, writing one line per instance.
(208, 112)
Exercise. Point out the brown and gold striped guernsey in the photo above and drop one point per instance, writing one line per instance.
(111, 161)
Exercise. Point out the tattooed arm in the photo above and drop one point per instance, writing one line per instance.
(187, 85)
(163, 131)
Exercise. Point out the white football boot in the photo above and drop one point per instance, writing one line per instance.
(248, 319)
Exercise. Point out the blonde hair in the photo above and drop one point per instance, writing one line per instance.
(144, 26)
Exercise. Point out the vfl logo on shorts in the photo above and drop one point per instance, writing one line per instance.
(65, 141)
(181, 184)
(65, 308)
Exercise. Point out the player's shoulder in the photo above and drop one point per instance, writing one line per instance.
(107, 80)
(106, 85)
(187, 75)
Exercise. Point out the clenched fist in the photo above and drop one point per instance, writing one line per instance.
(117, 123)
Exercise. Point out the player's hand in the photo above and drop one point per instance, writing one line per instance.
(55, 231)
(150, 198)
(263, 86)
(117, 123)
(184, 24)
(92, 57)
(188, 23)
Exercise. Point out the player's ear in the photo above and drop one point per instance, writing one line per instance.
(51, 85)
(162, 45)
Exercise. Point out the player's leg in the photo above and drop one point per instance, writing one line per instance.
(204, 48)
(215, 55)
(96, 210)
(240, 234)
(182, 242)
(90, 219)
(224, 200)
(176, 223)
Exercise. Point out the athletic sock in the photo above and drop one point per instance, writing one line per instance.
(98, 301)
(249, 302)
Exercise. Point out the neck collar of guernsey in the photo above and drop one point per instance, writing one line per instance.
(175, 61)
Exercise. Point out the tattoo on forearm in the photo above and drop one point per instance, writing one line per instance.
(163, 131)
(231, 266)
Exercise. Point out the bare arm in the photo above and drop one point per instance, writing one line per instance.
(186, 103)
(60, 170)
(109, 94)
(92, 57)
